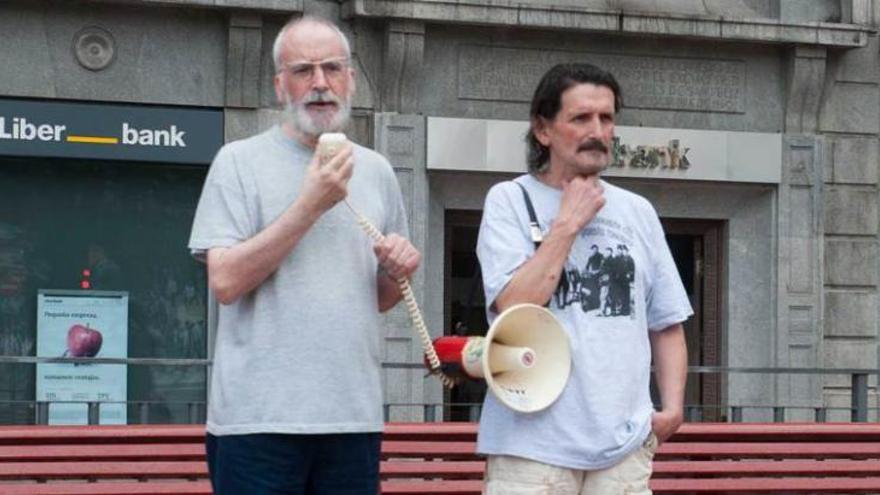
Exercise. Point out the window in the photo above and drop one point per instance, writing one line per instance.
(128, 224)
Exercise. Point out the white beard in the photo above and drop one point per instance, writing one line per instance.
(300, 119)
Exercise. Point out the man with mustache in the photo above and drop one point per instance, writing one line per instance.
(295, 402)
(599, 437)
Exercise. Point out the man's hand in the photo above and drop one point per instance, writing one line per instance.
(397, 256)
(665, 423)
(670, 369)
(582, 198)
(326, 185)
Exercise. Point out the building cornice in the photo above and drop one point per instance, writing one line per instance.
(279, 6)
(511, 13)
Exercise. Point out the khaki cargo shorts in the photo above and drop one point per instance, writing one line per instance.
(507, 475)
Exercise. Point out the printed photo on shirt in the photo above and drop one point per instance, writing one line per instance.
(604, 286)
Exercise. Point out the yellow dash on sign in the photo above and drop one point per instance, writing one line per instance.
(92, 140)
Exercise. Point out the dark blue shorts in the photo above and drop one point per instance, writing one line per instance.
(276, 464)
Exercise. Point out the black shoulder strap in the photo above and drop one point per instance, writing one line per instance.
(534, 226)
(535, 230)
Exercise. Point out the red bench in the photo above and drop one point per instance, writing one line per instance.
(438, 458)
(770, 458)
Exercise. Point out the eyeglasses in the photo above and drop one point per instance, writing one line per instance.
(333, 69)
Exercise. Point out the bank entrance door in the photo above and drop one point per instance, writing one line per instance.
(696, 246)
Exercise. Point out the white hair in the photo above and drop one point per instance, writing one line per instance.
(279, 40)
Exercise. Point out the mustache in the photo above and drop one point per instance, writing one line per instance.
(593, 145)
(320, 97)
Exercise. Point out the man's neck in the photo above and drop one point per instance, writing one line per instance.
(304, 139)
(551, 177)
(557, 176)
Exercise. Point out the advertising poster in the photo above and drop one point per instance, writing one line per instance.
(82, 324)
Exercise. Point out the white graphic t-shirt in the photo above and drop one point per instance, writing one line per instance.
(619, 283)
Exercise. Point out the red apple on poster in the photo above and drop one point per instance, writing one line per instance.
(83, 341)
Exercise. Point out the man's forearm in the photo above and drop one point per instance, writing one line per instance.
(670, 366)
(236, 271)
(536, 280)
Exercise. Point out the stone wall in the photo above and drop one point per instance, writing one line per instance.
(802, 257)
(850, 121)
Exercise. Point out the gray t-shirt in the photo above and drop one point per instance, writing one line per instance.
(610, 297)
(301, 353)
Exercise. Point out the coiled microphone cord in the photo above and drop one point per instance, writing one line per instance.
(412, 306)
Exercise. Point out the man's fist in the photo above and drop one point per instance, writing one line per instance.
(397, 256)
(325, 185)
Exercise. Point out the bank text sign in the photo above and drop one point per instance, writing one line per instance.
(109, 131)
(640, 152)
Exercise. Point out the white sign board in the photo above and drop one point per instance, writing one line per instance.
(82, 324)
(682, 154)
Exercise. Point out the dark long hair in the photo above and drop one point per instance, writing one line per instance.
(548, 100)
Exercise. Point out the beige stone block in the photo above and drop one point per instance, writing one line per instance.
(850, 210)
(850, 353)
(850, 262)
(852, 107)
(850, 313)
(855, 160)
(859, 64)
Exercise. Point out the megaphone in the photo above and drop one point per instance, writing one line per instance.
(525, 357)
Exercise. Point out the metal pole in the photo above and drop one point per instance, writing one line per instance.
(430, 413)
(859, 397)
(41, 413)
(144, 413)
(193, 413)
(474, 412)
(736, 414)
(94, 413)
(778, 414)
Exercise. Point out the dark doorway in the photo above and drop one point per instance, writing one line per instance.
(464, 305)
(696, 247)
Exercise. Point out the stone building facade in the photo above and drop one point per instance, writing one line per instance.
(784, 254)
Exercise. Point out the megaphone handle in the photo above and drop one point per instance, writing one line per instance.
(412, 306)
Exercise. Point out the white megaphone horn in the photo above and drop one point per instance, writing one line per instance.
(525, 357)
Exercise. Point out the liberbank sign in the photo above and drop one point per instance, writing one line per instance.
(643, 152)
(109, 131)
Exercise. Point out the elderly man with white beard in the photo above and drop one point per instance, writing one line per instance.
(295, 402)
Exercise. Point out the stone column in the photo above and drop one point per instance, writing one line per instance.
(402, 66)
(244, 50)
(799, 252)
(401, 138)
(799, 313)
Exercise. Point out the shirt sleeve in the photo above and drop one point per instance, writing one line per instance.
(667, 301)
(221, 218)
(503, 244)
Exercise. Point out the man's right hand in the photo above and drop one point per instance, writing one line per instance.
(325, 185)
(582, 198)
(536, 280)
